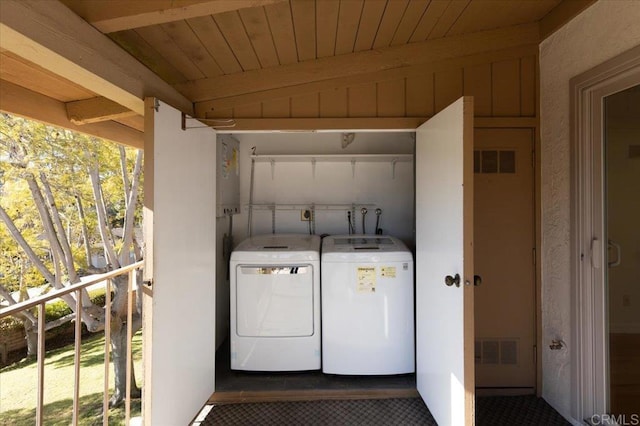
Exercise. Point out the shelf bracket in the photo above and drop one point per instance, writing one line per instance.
(273, 169)
(353, 168)
(313, 167)
(393, 168)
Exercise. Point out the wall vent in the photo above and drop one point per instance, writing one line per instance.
(496, 351)
(494, 161)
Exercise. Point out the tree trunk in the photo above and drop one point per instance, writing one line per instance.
(107, 239)
(119, 342)
(85, 231)
(119, 357)
(31, 335)
(45, 217)
(129, 216)
(62, 237)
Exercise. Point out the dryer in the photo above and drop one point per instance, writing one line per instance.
(367, 306)
(275, 303)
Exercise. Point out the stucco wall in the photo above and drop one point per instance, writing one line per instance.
(601, 32)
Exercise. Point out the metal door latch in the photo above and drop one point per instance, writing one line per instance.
(449, 280)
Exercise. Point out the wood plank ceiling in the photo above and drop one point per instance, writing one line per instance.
(213, 49)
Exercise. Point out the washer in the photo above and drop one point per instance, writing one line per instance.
(367, 306)
(275, 303)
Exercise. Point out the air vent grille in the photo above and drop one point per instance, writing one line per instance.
(496, 351)
(494, 161)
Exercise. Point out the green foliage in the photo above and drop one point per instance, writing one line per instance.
(29, 147)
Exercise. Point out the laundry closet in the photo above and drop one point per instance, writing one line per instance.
(314, 184)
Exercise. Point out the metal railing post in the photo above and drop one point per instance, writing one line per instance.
(127, 401)
(76, 359)
(41, 355)
(107, 344)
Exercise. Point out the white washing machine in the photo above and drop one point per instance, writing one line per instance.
(275, 303)
(367, 306)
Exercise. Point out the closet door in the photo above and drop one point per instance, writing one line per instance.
(444, 264)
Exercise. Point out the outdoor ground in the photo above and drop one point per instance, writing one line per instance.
(18, 384)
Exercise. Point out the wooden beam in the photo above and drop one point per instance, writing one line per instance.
(53, 37)
(355, 63)
(117, 15)
(359, 123)
(309, 124)
(95, 110)
(560, 15)
(205, 107)
(20, 101)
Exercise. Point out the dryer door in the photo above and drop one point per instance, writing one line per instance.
(274, 301)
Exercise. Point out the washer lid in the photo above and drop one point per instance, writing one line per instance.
(362, 244)
(294, 247)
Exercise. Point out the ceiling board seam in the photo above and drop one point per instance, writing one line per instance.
(275, 46)
(206, 48)
(315, 29)
(335, 39)
(424, 12)
(246, 32)
(404, 12)
(444, 12)
(295, 35)
(213, 18)
(458, 17)
(353, 46)
(417, 23)
(373, 43)
(204, 72)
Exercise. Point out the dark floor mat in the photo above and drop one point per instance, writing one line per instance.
(401, 411)
(516, 410)
(494, 411)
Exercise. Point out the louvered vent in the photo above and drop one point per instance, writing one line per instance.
(494, 161)
(496, 351)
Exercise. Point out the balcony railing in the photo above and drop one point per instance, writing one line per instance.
(40, 302)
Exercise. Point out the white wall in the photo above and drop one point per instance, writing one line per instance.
(334, 183)
(601, 32)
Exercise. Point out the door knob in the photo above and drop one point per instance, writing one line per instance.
(449, 280)
(477, 280)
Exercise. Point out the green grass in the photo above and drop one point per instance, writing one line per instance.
(18, 386)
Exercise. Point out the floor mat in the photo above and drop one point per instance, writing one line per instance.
(501, 410)
(516, 410)
(401, 411)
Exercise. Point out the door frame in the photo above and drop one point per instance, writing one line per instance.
(590, 359)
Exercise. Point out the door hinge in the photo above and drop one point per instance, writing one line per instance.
(534, 256)
(535, 355)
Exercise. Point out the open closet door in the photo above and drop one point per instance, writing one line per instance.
(444, 264)
(180, 258)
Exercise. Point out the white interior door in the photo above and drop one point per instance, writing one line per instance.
(180, 238)
(444, 248)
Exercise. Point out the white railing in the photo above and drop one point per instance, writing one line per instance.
(40, 302)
